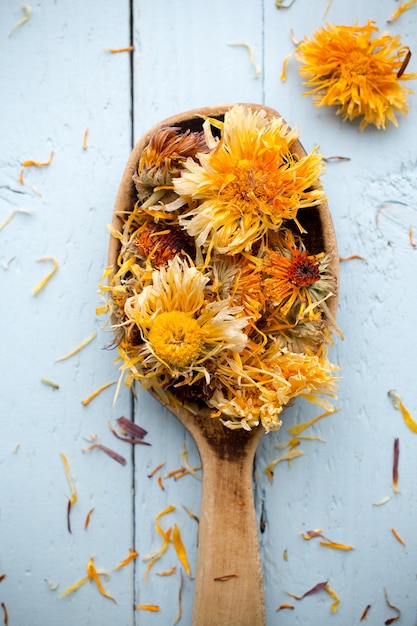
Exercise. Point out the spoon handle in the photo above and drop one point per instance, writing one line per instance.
(229, 586)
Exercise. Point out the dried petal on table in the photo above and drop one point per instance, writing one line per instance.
(32, 163)
(48, 277)
(382, 501)
(129, 427)
(327, 159)
(80, 346)
(400, 10)
(279, 4)
(319, 587)
(111, 453)
(365, 612)
(154, 608)
(251, 56)
(179, 614)
(73, 499)
(88, 518)
(397, 536)
(131, 557)
(97, 392)
(2, 577)
(191, 514)
(50, 383)
(284, 606)
(390, 620)
(5, 614)
(298, 428)
(85, 136)
(27, 11)
(288, 456)
(180, 549)
(166, 539)
(336, 546)
(395, 465)
(156, 469)
(351, 258)
(410, 235)
(225, 577)
(335, 597)
(168, 572)
(93, 574)
(117, 50)
(12, 214)
(398, 404)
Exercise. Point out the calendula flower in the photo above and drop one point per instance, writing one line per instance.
(295, 282)
(257, 389)
(159, 244)
(359, 73)
(249, 183)
(181, 331)
(161, 160)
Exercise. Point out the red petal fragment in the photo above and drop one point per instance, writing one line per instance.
(365, 612)
(131, 428)
(395, 465)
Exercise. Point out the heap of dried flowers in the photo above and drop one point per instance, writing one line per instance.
(361, 74)
(216, 298)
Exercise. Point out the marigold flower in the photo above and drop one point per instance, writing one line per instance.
(180, 328)
(347, 67)
(249, 183)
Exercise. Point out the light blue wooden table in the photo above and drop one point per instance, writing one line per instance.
(58, 80)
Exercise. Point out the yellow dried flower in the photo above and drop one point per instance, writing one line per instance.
(248, 184)
(359, 73)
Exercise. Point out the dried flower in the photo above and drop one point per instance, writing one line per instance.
(214, 297)
(350, 68)
(248, 184)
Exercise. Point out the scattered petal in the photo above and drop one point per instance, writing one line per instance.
(395, 465)
(288, 456)
(179, 614)
(27, 11)
(117, 50)
(168, 572)
(156, 469)
(336, 546)
(32, 163)
(410, 234)
(149, 607)
(131, 557)
(180, 549)
(351, 257)
(315, 589)
(400, 11)
(51, 383)
(88, 517)
(48, 277)
(382, 501)
(191, 514)
(397, 536)
(192, 470)
(80, 346)
(284, 606)
(12, 214)
(365, 612)
(398, 404)
(335, 597)
(251, 55)
(97, 391)
(93, 574)
(5, 614)
(85, 136)
(297, 429)
(395, 608)
(73, 498)
(279, 4)
(111, 453)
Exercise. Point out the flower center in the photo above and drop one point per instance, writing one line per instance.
(176, 338)
(249, 183)
(359, 63)
(304, 270)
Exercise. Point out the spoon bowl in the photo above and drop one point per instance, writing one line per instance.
(229, 585)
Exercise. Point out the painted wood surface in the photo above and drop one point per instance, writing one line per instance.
(58, 79)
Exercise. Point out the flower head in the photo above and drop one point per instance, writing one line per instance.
(362, 75)
(248, 184)
(180, 329)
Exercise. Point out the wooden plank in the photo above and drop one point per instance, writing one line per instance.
(57, 80)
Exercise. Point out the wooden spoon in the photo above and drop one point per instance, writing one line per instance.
(228, 586)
